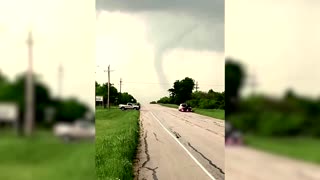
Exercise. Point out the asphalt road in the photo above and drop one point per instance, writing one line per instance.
(176, 145)
(244, 163)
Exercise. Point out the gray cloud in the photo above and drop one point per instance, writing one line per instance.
(205, 8)
(189, 24)
(167, 19)
(164, 28)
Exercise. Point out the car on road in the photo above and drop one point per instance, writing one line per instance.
(79, 130)
(129, 106)
(232, 136)
(183, 107)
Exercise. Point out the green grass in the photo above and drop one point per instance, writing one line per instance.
(302, 148)
(117, 135)
(44, 157)
(214, 113)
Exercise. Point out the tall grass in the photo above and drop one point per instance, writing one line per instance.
(45, 157)
(117, 136)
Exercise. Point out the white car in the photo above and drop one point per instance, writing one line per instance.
(81, 129)
(129, 106)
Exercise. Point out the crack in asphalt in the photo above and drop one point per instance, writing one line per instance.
(192, 124)
(154, 172)
(210, 162)
(176, 134)
(140, 147)
(155, 135)
(222, 135)
(146, 149)
(212, 131)
(218, 124)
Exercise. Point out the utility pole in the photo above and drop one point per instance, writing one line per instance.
(120, 84)
(108, 102)
(29, 109)
(197, 86)
(253, 83)
(60, 74)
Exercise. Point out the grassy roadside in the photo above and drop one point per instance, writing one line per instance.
(45, 157)
(302, 148)
(214, 113)
(117, 136)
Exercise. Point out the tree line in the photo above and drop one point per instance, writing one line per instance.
(290, 115)
(115, 97)
(183, 92)
(66, 110)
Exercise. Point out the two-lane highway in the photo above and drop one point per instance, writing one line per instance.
(177, 145)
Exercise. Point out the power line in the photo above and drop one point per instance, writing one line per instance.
(171, 84)
(146, 83)
(168, 83)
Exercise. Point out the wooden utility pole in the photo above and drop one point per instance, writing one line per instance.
(253, 83)
(29, 109)
(60, 74)
(108, 102)
(197, 86)
(120, 84)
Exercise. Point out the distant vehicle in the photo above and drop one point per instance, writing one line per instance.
(78, 130)
(233, 136)
(185, 108)
(129, 106)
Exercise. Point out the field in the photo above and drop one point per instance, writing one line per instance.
(214, 113)
(117, 135)
(303, 148)
(44, 157)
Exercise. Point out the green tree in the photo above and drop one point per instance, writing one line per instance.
(102, 90)
(234, 78)
(164, 100)
(70, 110)
(182, 90)
(41, 94)
(126, 98)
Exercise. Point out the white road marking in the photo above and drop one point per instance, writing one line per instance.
(192, 157)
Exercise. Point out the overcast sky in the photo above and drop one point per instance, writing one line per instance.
(278, 40)
(64, 32)
(150, 45)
